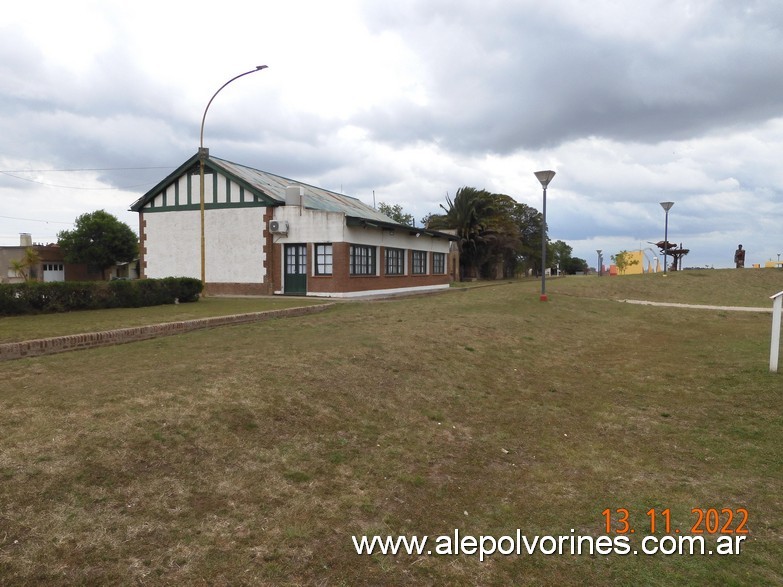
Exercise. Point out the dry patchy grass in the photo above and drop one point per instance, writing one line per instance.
(249, 455)
(16, 328)
(715, 287)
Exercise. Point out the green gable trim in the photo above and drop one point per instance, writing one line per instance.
(193, 200)
(207, 206)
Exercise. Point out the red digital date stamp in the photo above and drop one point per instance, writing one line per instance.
(705, 521)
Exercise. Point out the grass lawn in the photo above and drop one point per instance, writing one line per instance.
(250, 455)
(716, 287)
(16, 328)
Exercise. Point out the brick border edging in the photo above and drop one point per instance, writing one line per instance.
(91, 340)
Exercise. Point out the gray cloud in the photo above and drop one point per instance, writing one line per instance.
(633, 103)
(503, 77)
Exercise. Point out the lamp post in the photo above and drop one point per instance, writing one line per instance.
(544, 177)
(203, 154)
(666, 206)
(600, 262)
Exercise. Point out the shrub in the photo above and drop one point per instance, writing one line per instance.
(186, 289)
(125, 294)
(66, 296)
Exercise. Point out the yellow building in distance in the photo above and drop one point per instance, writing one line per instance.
(647, 261)
(639, 262)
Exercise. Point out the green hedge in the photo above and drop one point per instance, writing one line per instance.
(65, 296)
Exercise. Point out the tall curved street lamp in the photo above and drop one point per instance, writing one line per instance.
(544, 177)
(666, 206)
(203, 154)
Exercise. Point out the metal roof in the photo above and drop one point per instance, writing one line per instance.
(315, 198)
(274, 187)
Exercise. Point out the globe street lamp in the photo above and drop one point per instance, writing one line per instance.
(666, 206)
(203, 154)
(544, 177)
(600, 262)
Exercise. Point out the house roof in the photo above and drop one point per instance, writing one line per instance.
(273, 189)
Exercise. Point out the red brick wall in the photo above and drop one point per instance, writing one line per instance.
(342, 281)
(237, 289)
(142, 246)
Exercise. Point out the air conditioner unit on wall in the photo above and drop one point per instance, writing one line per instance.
(278, 227)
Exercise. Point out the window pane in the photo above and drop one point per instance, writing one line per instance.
(296, 259)
(323, 259)
(439, 263)
(395, 261)
(362, 261)
(419, 262)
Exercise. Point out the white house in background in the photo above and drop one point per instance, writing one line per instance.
(267, 234)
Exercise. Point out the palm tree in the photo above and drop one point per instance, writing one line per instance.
(495, 232)
(24, 266)
(467, 213)
(19, 268)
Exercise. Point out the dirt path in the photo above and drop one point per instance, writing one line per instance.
(699, 306)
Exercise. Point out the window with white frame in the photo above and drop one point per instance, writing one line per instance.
(394, 261)
(362, 260)
(323, 259)
(419, 262)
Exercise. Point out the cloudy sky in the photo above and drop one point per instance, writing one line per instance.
(632, 103)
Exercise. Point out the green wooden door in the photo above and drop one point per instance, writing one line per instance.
(295, 270)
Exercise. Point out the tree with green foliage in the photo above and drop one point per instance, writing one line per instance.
(575, 265)
(396, 213)
(528, 222)
(425, 221)
(467, 213)
(561, 257)
(560, 254)
(496, 233)
(498, 236)
(100, 240)
(502, 241)
(623, 261)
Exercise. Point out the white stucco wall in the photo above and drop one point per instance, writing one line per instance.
(309, 226)
(172, 244)
(401, 239)
(329, 227)
(234, 244)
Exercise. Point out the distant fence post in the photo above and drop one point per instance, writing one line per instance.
(774, 347)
